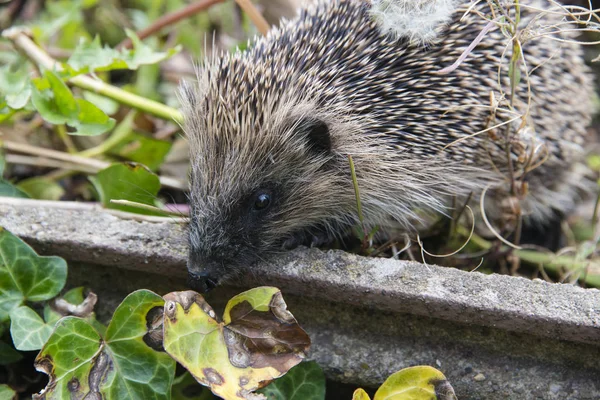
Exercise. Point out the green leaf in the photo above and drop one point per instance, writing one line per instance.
(143, 149)
(125, 338)
(26, 276)
(6, 393)
(55, 103)
(63, 98)
(360, 394)
(43, 101)
(120, 366)
(8, 190)
(67, 357)
(109, 106)
(27, 329)
(41, 188)
(8, 354)
(91, 120)
(91, 56)
(127, 181)
(305, 381)
(15, 85)
(416, 383)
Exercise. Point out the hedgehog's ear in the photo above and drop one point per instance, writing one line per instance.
(316, 133)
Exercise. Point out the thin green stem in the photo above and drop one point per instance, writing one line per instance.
(118, 134)
(61, 130)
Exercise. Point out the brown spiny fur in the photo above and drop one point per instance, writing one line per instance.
(255, 122)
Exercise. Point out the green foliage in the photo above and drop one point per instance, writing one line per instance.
(127, 181)
(41, 188)
(25, 276)
(27, 329)
(56, 104)
(143, 149)
(92, 56)
(119, 365)
(305, 381)
(6, 393)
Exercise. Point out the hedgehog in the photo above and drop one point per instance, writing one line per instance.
(271, 128)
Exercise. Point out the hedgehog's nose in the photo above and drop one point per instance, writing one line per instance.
(201, 282)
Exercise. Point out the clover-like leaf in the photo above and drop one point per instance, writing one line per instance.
(15, 86)
(416, 383)
(127, 181)
(26, 276)
(90, 120)
(92, 56)
(126, 364)
(305, 381)
(258, 340)
(57, 105)
(28, 330)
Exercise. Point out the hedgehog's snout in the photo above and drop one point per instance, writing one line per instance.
(204, 273)
(202, 282)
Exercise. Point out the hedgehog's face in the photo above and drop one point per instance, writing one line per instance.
(255, 192)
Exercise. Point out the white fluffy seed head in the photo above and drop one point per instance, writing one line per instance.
(419, 21)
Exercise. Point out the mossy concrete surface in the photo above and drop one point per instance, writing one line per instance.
(495, 337)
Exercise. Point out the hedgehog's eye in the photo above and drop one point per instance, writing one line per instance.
(262, 201)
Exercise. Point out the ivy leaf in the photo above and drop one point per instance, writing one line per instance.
(127, 181)
(26, 276)
(416, 383)
(122, 365)
(360, 394)
(305, 381)
(27, 329)
(258, 340)
(66, 358)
